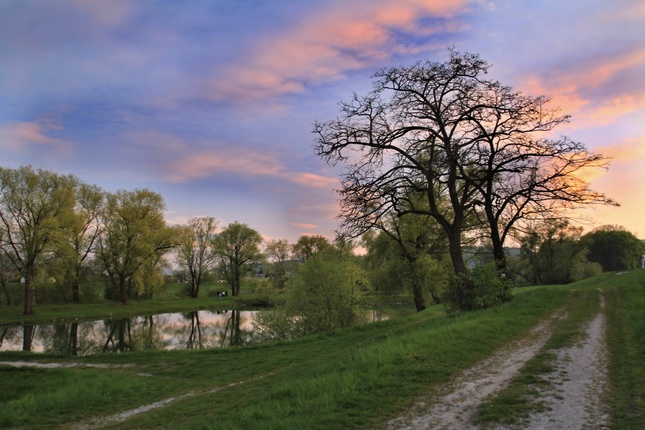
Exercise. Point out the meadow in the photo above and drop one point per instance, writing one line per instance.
(354, 378)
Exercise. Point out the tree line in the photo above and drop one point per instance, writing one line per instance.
(444, 168)
(54, 228)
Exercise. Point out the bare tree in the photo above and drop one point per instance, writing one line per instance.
(469, 145)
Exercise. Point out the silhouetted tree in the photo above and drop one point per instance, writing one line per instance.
(614, 248)
(446, 132)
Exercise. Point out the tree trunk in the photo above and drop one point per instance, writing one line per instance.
(463, 285)
(123, 296)
(29, 296)
(76, 297)
(236, 283)
(27, 337)
(73, 338)
(419, 301)
(456, 254)
(498, 246)
(3, 281)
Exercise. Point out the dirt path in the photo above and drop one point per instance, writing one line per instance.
(574, 402)
(38, 365)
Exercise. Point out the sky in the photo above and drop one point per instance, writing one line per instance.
(212, 103)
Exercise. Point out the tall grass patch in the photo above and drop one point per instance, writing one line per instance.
(626, 339)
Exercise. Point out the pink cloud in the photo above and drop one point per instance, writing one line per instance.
(598, 91)
(628, 151)
(315, 181)
(304, 226)
(229, 160)
(345, 36)
(182, 163)
(22, 136)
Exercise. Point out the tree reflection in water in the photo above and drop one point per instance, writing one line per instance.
(195, 336)
(191, 330)
(121, 328)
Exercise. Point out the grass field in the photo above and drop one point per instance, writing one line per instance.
(356, 378)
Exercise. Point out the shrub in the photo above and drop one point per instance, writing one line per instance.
(483, 287)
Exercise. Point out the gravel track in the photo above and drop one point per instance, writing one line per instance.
(574, 400)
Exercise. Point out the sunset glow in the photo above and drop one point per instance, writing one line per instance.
(212, 104)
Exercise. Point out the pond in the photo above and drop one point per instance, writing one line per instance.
(187, 330)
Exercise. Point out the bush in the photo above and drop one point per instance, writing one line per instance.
(483, 287)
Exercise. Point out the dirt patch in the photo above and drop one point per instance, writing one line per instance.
(99, 422)
(60, 365)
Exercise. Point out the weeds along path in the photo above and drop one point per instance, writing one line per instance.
(454, 404)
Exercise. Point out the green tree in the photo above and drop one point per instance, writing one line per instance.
(8, 274)
(80, 234)
(278, 253)
(409, 249)
(238, 250)
(195, 250)
(614, 248)
(325, 293)
(32, 204)
(552, 253)
(135, 234)
(308, 246)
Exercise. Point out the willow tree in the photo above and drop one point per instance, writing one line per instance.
(195, 249)
(80, 233)
(445, 131)
(34, 204)
(238, 250)
(409, 249)
(134, 238)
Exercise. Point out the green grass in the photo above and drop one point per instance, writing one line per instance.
(626, 338)
(169, 300)
(355, 378)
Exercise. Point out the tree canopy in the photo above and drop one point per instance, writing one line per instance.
(135, 237)
(614, 248)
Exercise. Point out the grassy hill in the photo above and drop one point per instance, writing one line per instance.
(356, 378)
